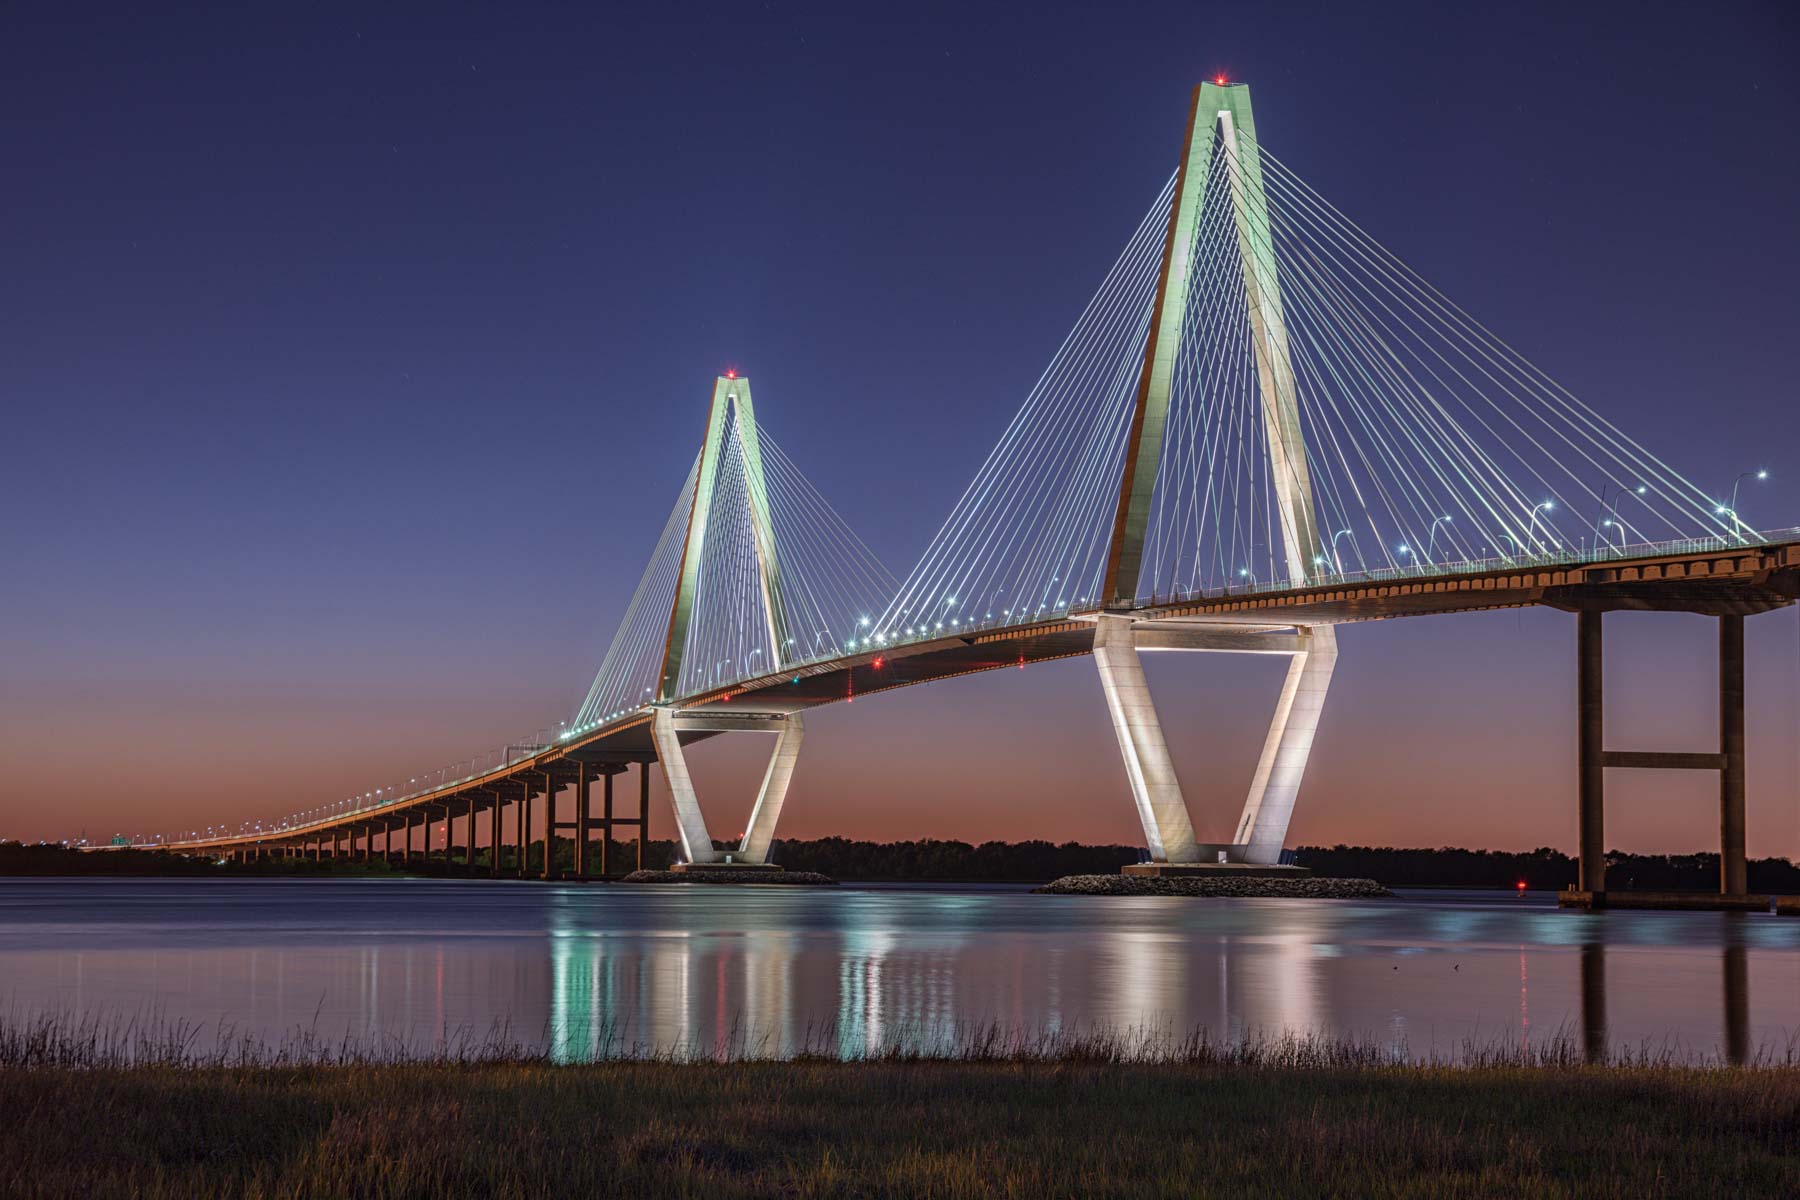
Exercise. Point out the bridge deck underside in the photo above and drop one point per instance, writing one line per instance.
(1740, 581)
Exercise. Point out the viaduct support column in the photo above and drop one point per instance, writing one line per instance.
(551, 786)
(524, 828)
(581, 823)
(1148, 766)
(606, 824)
(1590, 753)
(1733, 877)
(643, 811)
(494, 836)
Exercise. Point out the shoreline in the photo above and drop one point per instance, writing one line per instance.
(1216, 887)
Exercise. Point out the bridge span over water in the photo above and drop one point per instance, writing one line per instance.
(1263, 426)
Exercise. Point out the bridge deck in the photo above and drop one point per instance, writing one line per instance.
(1741, 580)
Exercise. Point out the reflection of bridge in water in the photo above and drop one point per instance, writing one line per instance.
(1735, 1045)
(696, 970)
(861, 988)
(1263, 426)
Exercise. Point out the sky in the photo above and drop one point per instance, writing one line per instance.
(353, 355)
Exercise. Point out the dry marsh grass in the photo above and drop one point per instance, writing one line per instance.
(146, 1111)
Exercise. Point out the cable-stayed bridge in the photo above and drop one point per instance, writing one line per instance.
(1263, 425)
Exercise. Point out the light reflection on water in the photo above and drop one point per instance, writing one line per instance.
(605, 969)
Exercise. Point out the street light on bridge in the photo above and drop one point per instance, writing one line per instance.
(1431, 542)
(1545, 507)
(1731, 510)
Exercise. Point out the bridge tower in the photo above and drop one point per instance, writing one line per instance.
(730, 429)
(1219, 123)
(730, 423)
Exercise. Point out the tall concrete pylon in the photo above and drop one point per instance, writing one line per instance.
(1217, 114)
(1219, 122)
(730, 427)
(731, 407)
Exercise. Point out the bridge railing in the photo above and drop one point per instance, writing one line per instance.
(1422, 570)
(1582, 556)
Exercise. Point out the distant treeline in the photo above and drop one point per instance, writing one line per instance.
(17, 859)
(930, 858)
(993, 862)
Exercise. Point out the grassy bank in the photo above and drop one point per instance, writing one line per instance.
(897, 1129)
(1058, 1117)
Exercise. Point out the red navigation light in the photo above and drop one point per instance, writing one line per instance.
(731, 372)
(1521, 885)
(877, 663)
(1219, 79)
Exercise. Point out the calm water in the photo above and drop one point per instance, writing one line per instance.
(859, 968)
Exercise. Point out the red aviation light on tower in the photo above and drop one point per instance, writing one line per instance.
(731, 372)
(1219, 79)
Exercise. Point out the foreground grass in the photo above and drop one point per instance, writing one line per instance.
(897, 1128)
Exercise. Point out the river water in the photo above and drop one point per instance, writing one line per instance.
(689, 969)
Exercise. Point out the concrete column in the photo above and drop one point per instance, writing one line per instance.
(606, 813)
(1148, 767)
(690, 824)
(1733, 876)
(1590, 753)
(581, 823)
(761, 832)
(1275, 789)
(494, 836)
(550, 790)
(524, 831)
(643, 811)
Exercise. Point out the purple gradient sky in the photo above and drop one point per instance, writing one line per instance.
(351, 362)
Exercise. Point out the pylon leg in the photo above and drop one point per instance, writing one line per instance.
(1148, 766)
(761, 832)
(1276, 787)
(690, 824)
